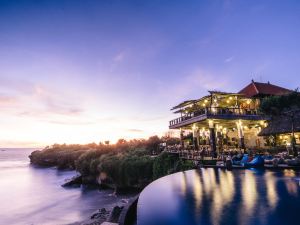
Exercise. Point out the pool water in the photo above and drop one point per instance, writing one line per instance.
(218, 197)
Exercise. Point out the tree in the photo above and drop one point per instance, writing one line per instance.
(283, 105)
(277, 105)
(153, 144)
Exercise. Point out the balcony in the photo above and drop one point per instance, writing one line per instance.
(215, 113)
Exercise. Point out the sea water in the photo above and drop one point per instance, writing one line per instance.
(34, 196)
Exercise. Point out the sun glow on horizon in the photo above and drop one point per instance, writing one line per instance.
(76, 72)
(41, 134)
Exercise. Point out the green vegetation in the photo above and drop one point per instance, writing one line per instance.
(276, 105)
(169, 163)
(126, 164)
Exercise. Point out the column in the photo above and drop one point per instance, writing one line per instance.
(240, 134)
(196, 137)
(219, 137)
(181, 138)
(212, 138)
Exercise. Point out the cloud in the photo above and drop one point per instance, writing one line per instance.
(119, 57)
(20, 144)
(194, 85)
(56, 103)
(71, 122)
(7, 100)
(229, 59)
(16, 86)
(135, 130)
(149, 119)
(31, 100)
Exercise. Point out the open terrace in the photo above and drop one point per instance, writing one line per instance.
(228, 113)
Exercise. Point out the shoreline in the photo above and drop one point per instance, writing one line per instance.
(113, 214)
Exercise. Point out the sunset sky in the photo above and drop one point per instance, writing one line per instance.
(89, 71)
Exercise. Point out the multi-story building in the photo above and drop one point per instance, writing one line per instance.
(222, 120)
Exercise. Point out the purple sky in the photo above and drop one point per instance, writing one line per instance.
(83, 71)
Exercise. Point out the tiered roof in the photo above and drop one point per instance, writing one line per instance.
(252, 90)
(257, 89)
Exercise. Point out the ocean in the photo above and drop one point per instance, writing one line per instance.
(34, 196)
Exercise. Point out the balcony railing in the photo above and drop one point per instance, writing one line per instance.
(189, 152)
(214, 111)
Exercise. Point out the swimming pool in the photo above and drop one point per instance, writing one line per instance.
(216, 197)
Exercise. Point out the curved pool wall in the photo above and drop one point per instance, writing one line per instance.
(218, 197)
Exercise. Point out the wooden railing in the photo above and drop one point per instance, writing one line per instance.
(214, 111)
(189, 152)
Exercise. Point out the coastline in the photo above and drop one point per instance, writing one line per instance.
(60, 205)
(112, 214)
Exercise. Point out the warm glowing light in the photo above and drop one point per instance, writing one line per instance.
(210, 123)
(248, 101)
(249, 192)
(215, 100)
(289, 173)
(205, 101)
(197, 184)
(222, 195)
(227, 101)
(271, 189)
(239, 123)
(194, 127)
(209, 180)
(204, 104)
(183, 183)
(230, 98)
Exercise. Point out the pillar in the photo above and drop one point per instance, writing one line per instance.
(240, 134)
(196, 137)
(181, 138)
(212, 138)
(219, 137)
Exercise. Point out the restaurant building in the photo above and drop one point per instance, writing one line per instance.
(225, 120)
(282, 129)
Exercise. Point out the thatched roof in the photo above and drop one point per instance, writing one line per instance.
(281, 125)
(183, 104)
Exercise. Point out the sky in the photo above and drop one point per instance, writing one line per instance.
(88, 71)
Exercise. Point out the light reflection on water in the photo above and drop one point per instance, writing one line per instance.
(219, 197)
